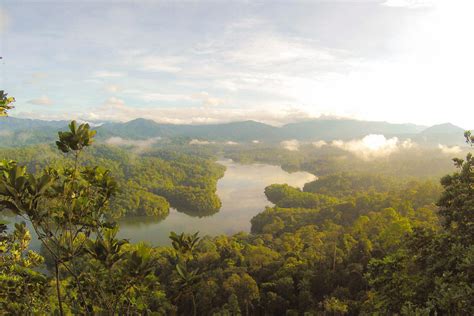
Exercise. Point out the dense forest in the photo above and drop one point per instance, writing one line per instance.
(355, 241)
(148, 183)
(412, 163)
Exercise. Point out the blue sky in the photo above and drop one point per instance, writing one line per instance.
(217, 61)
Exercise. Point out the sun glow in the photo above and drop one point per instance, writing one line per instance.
(429, 71)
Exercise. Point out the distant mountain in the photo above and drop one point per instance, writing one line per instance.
(441, 129)
(19, 132)
(446, 134)
(236, 131)
(15, 132)
(18, 124)
(135, 129)
(331, 129)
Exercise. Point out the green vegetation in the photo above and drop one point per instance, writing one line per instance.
(5, 103)
(353, 243)
(148, 183)
(414, 163)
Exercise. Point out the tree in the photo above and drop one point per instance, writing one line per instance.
(457, 201)
(23, 289)
(432, 272)
(65, 207)
(469, 137)
(244, 287)
(186, 279)
(5, 103)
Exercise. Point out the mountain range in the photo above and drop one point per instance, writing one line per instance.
(17, 131)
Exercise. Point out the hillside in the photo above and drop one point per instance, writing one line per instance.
(26, 131)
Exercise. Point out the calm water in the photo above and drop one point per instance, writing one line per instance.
(241, 191)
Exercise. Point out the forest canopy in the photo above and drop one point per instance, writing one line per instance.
(348, 243)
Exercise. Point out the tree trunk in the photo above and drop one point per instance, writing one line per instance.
(58, 289)
(194, 304)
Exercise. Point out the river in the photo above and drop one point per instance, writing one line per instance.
(241, 191)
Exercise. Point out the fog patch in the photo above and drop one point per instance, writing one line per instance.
(91, 124)
(373, 146)
(319, 143)
(449, 150)
(138, 145)
(200, 142)
(291, 145)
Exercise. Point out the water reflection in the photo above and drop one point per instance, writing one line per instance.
(241, 192)
(198, 213)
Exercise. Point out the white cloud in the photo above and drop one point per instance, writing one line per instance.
(449, 150)
(107, 74)
(407, 144)
(115, 109)
(139, 145)
(207, 100)
(43, 100)
(231, 143)
(255, 57)
(271, 49)
(319, 143)
(373, 146)
(114, 103)
(291, 145)
(200, 142)
(255, 141)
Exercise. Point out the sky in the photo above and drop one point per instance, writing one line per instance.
(218, 61)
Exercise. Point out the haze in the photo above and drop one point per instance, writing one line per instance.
(214, 61)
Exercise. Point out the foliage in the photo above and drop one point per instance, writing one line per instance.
(432, 273)
(23, 289)
(349, 243)
(67, 208)
(148, 184)
(5, 103)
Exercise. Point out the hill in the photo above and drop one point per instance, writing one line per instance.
(447, 134)
(19, 132)
(331, 129)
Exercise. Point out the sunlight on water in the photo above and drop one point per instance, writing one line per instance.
(241, 191)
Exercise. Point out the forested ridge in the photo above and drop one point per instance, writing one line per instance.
(348, 243)
(415, 163)
(149, 183)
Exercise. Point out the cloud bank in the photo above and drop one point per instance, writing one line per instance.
(319, 143)
(116, 109)
(200, 142)
(291, 145)
(373, 146)
(138, 145)
(449, 150)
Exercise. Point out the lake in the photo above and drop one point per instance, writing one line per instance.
(241, 191)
